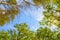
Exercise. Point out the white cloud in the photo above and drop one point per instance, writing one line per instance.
(37, 14)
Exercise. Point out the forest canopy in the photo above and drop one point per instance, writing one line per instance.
(51, 17)
(51, 10)
(23, 32)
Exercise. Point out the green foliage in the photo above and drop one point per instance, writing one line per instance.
(8, 14)
(4, 35)
(51, 15)
(13, 34)
(45, 34)
(41, 2)
(12, 2)
(24, 33)
(51, 12)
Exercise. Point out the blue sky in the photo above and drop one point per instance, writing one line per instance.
(30, 15)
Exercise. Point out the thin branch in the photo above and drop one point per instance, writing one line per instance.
(17, 6)
(5, 3)
(28, 3)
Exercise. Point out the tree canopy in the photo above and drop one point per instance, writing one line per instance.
(8, 12)
(51, 17)
(23, 32)
(51, 10)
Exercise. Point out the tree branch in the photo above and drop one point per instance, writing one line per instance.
(5, 3)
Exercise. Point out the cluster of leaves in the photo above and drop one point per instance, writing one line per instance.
(41, 2)
(9, 11)
(24, 33)
(12, 2)
(47, 34)
(51, 12)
